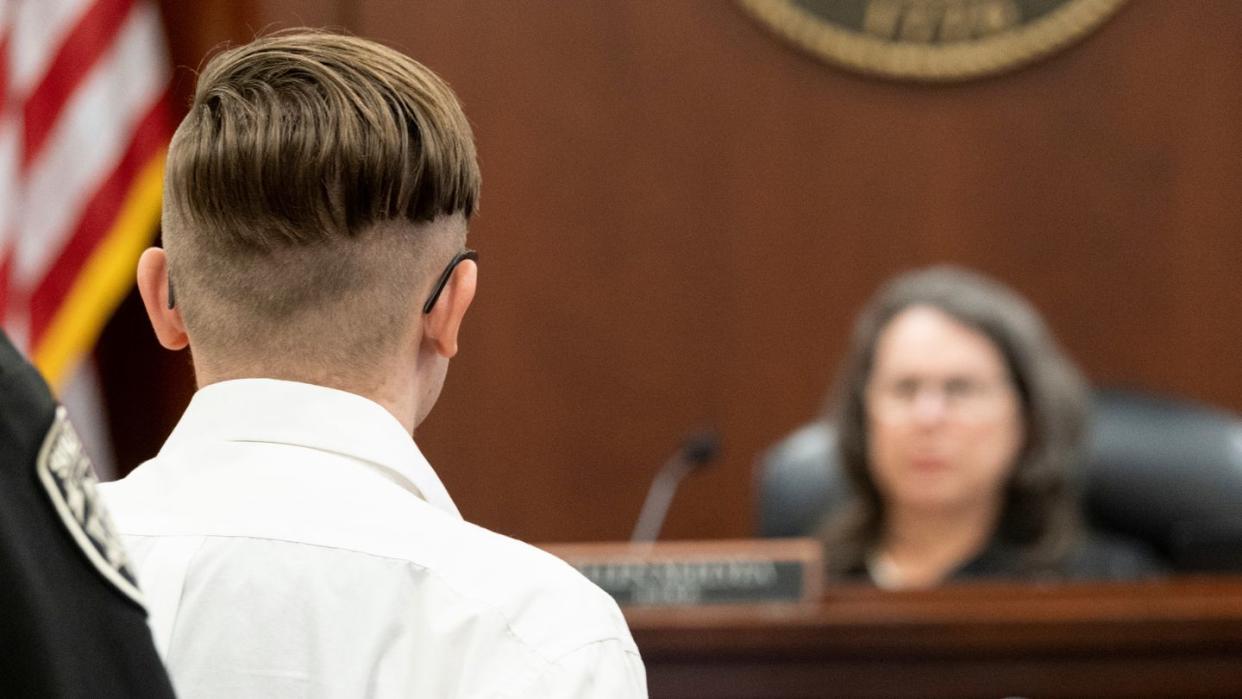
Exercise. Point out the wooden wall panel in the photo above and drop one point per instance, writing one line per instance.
(681, 216)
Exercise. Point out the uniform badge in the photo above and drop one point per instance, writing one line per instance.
(66, 474)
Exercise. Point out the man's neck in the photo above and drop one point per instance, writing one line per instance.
(400, 399)
(398, 394)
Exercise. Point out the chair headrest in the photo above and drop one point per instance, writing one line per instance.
(1168, 472)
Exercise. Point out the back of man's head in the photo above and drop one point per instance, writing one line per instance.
(316, 186)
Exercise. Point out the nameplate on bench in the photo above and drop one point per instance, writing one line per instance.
(701, 572)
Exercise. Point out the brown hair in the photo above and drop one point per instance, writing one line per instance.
(1040, 515)
(307, 194)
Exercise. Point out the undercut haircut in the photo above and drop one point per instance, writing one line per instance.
(315, 186)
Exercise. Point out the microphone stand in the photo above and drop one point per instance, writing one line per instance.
(696, 452)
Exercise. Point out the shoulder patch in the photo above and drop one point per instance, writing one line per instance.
(66, 474)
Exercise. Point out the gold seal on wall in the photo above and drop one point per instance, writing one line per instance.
(935, 40)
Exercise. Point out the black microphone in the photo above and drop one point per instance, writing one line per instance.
(696, 452)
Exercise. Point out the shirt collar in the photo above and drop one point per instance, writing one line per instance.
(288, 412)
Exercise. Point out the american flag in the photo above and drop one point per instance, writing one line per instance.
(84, 125)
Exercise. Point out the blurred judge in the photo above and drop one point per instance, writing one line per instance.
(960, 422)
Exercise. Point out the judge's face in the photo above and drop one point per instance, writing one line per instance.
(944, 423)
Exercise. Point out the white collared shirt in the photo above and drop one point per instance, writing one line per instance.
(292, 541)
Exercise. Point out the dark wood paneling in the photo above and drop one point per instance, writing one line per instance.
(681, 216)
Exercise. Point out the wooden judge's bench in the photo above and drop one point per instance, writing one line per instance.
(1179, 637)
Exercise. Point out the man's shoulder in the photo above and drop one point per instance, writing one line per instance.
(552, 609)
(520, 564)
(547, 602)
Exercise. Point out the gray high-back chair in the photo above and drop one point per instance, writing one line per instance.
(1160, 470)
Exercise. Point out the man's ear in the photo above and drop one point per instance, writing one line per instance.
(441, 325)
(154, 287)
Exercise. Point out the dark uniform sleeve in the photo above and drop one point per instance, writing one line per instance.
(72, 622)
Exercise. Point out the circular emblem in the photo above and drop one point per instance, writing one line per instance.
(935, 40)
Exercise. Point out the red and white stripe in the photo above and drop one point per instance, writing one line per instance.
(83, 127)
(84, 108)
